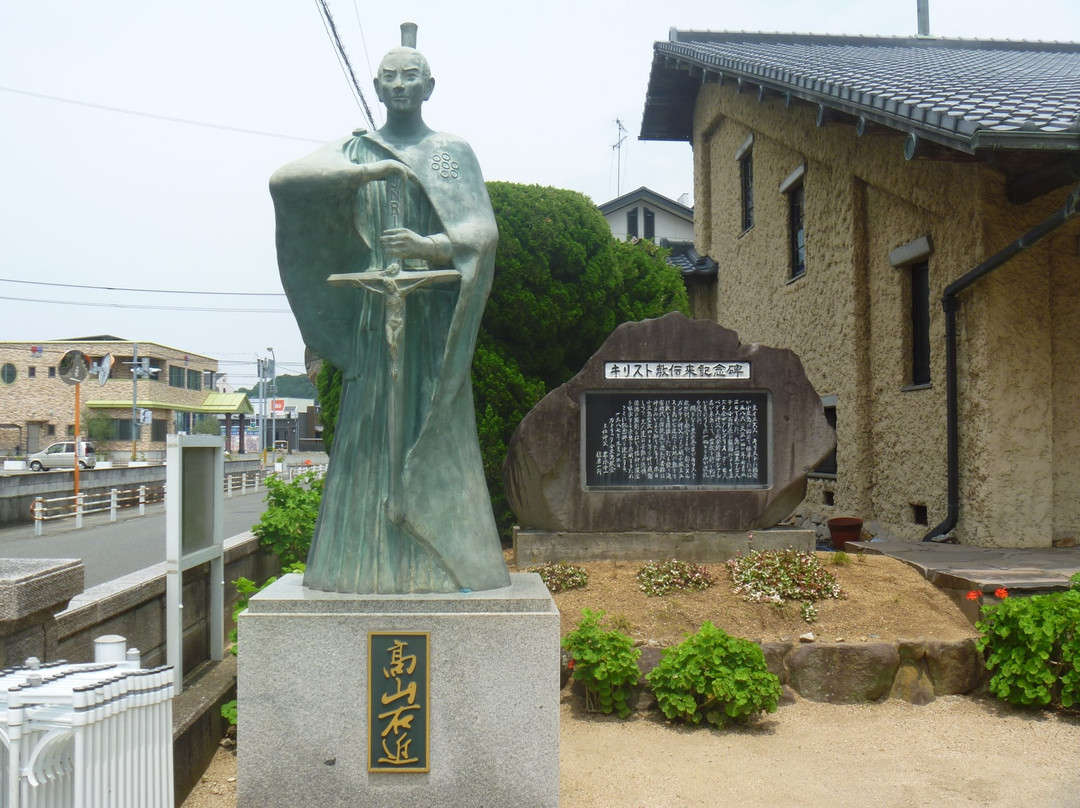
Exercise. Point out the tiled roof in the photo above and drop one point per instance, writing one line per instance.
(689, 260)
(965, 94)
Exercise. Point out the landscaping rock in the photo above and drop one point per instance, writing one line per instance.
(843, 673)
(955, 668)
(912, 684)
(775, 652)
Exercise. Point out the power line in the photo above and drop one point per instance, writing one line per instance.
(133, 289)
(144, 306)
(343, 59)
(161, 117)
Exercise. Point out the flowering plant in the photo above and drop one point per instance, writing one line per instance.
(560, 576)
(774, 576)
(1032, 647)
(661, 577)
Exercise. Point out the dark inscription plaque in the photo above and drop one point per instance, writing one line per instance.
(676, 440)
(398, 676)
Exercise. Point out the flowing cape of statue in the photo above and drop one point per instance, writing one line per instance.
(447, 540)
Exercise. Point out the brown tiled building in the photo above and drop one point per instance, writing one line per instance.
(902, 213)
(174, 392)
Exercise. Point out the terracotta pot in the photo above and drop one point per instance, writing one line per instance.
(844, 529)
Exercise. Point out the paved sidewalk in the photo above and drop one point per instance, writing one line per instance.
(961, 568)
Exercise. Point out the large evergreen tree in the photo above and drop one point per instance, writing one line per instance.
(562, 284)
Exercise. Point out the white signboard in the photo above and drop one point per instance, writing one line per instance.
(691, 371)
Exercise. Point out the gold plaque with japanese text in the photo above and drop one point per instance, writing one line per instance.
(398, 701)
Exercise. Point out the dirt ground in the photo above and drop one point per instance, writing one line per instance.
(956, 751)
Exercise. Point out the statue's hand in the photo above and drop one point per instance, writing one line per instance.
(384, 169)
(401, 242)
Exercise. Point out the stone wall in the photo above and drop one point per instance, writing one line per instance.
(848, 318)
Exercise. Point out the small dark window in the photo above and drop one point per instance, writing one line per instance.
(158, 430)
(829, 498)
(31, 372)
(52, 373)
(177, 377)
(7, 373)
(919, 515)
(797, 230)
(50, 430)
(920, 323)
(746, 184)
(631, 223)
(650, 224)
(194, 380)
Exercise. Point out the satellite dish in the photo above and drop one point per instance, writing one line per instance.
(103, 369)
(73, 367)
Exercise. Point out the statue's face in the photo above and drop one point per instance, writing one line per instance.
(403, 83)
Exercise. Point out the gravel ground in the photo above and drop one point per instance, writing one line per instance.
(956, 751)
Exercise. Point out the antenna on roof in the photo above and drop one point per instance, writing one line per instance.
(924, 17)
(618, 151)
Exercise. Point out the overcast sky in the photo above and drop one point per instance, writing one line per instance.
(137, 136)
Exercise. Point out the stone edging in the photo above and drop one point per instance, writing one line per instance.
(916, 671)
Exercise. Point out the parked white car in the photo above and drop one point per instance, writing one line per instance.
(62, 456)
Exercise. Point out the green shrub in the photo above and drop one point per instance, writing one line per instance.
(288, 523)
(604, 661)
(560, 576)
(660, 577)
(713, 676)
(246, 588)
(1032, 648)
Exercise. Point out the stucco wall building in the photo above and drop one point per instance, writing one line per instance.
(866, 201)
(38, 408)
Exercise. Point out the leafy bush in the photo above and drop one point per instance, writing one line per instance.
(660, 577)
(246, 588)
(715, 677)
(1032, 648)
(604, 661)
(560, 576)
(773, 576)
(288, 523)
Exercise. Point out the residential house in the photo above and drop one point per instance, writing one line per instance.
(172, 391)
(646, 214)
(901, 212)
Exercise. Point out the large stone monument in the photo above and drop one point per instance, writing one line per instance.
(675, 439)
(406, 666)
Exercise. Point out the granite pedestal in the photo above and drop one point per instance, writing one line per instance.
(494, 698)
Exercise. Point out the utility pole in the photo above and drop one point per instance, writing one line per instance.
(134, 394)
(621, 134)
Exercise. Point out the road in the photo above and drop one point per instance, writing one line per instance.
(111, 549)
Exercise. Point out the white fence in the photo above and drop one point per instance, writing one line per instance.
(79, 505)
(86, 736)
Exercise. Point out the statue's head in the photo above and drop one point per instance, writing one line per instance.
(404, 80)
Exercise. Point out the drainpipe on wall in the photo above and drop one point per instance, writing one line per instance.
(950, 304)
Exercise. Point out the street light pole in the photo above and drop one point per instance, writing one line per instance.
(273, 394)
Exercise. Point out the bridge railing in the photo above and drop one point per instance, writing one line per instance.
(76, 506)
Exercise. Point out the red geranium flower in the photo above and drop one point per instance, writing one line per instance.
(974, 594)
(570, 665)
(1001, 593)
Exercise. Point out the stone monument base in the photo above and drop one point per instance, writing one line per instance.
(493, 705)
(700, 547)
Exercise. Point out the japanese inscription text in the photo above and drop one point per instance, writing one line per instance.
(398, 708)
(677, 371)
(676, 440)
